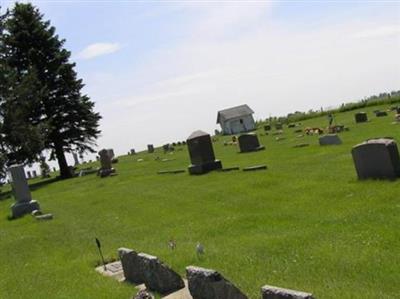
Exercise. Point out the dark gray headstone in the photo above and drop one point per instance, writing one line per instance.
(377, 158)
(291, 125)
(201, 153)
(331, 139)
(76, 160)
(271, 292)
(133, 152)
(105, 160)
(150, 148)
(361, 117)
(132, 265)
(380, 113)
(278, 126)
(267, 127)
(249, 143)
(209, 284)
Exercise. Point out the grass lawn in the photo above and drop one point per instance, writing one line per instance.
(306, 223)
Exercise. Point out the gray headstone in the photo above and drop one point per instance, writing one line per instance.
(331, 139)
(209, 284)
(249, 143)
(105, 160)
(29, 174)
(24, 203)
(150, 148)
(377, 158)
(267, 127)
(271, 292)
(133, 151)
(201, 153)
(110, 152)
(380, 113)
(361, 117)
(76, 160)
(278, 126)
(132, 265)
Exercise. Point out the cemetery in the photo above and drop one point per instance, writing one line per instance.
(286, 229)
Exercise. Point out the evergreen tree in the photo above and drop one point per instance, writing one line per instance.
(56, 111)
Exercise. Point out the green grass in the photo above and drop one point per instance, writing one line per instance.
(306, 223)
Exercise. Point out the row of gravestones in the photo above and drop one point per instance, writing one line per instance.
(141, 268)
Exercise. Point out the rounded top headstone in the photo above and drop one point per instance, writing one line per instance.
(197, 134)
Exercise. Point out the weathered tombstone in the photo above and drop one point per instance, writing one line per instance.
(76, 160)
(150, 148)
(133, 152)
(330, 139)
(105, 160)
(361, 117)
(29, 174)
(201, 153)
(111, 153)
(267, 127)
(249, 143)
(132, 265)
(278, 126)
(24, 203)
(380, 113)
(210, 284)
(377, 158)
(271, 292)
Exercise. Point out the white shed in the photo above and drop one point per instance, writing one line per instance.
(236, 120)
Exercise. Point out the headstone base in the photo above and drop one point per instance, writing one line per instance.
(21, 208)
(106, 172)
(204, 168)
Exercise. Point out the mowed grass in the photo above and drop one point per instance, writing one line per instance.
(306, 223)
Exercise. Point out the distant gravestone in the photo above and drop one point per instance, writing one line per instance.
(29, 174)
(24, 203)
(267, 127)
(201, 153)
(133, 152)
(271, 292)
(105, 160)
(330, 139)
(249, 143)
(150, 148)
(291, 125)
(380, 113)
(377, 158)
(54, 169)
(76, 160)
(278, 126)
(210, 284)
(34, 173)
(361, 117)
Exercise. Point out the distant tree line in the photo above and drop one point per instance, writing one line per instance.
(42, 107)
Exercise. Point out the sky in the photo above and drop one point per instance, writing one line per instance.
(159, 70)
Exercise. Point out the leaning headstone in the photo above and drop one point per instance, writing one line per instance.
(380, 113)
(271, 292)
(361, 117)
(132, 265)
(377, 158)
(76, 160)
(105, 160)
(201, 153)
(210, 284)
(249, 143)
(150, 148)
(330, 139)
(158, 276)
(24, 202)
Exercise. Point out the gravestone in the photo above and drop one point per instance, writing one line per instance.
(34, 173)
(76, 160)
(377, 158)
(24, 203)
(105, 160)
(271, 292)
(111, 153)
(150, 148)
(361, 117)
(132, 265)
(249, 143)
(267, 127)
(380, 113)
(133, 152)
(210, 284)
(278, 126)
(54, 169)
(330, 139)
(291, 125)
(29, 174)
(201, 153)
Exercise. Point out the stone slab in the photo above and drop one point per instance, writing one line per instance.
(171, 171)
(113, 270)
(255, 167)
(271, 292)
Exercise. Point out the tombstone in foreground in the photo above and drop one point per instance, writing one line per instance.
(249, 143)
(132, 265)
(76, 160)
(271, 292)
(209, 284)
(201, 153)
(377, 158)
(330, 139)
(150, 148)
(105, 160)
(24, 202)
(361, 117)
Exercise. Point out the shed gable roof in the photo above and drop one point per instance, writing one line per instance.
(226, 114)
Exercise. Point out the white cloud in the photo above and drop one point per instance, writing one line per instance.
(383, 31)
(98, 49)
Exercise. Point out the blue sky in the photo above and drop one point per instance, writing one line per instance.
(159, 70)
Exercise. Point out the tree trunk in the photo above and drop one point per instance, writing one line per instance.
(65, 172)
